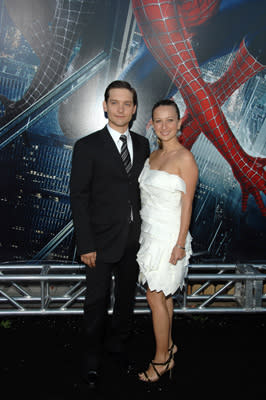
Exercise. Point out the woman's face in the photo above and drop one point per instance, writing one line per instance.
(166, 123)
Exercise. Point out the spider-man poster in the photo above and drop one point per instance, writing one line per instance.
(58, 56)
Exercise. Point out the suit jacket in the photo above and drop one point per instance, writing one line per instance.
(103, 196)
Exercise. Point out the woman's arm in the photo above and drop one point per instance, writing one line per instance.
(189, 173)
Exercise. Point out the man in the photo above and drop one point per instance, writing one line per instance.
(105, 204)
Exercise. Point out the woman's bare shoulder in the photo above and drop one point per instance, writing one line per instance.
(185, 159)
(154, 154)
(185, 155)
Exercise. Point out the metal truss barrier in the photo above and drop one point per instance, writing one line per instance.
(56, 289)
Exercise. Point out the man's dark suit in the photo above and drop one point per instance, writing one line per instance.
(103, 201)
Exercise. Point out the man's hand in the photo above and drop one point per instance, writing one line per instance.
(89, 259)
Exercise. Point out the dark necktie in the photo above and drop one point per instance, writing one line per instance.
(125, 154)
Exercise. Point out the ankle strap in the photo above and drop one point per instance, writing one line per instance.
(164, 363)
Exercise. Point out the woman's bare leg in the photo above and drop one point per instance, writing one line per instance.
(161, 327)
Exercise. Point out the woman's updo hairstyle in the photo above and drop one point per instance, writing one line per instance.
(165, 102)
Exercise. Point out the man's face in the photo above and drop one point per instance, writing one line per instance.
(120, 109)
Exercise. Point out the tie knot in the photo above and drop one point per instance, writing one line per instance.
(123, 138)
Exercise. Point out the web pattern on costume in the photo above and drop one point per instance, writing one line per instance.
(55, 46)
(163, 25)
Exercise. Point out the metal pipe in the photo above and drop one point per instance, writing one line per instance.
(211, 298)
(79, 311)
(191, 277)
(11, 300)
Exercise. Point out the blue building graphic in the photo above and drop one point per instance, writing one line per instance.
(35, 165)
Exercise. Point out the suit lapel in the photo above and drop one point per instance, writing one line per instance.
(110, 149)
(137, 161)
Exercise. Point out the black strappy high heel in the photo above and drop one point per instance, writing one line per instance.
(171, 350)
(159, 375)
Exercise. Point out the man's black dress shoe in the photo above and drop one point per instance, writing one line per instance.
(92, 379)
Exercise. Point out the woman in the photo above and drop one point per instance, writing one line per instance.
(167, 183)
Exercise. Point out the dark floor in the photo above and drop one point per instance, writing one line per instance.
(219, 357)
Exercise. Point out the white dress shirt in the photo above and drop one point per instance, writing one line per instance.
(116, 138)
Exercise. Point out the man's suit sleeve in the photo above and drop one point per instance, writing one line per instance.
(80, 180)
(147, 147)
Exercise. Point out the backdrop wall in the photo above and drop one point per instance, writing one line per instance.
(56, 59)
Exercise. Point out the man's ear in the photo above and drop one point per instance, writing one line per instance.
(105, 109)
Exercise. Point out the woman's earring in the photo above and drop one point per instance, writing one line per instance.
(159, 142)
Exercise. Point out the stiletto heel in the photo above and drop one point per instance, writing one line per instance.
(171, 350)
(170, 373)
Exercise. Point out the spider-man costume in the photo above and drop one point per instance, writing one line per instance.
(53, 44)
(167, 28)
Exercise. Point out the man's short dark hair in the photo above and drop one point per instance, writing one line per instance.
(121, 85)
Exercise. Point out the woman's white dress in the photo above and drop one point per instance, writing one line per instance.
(160, 213)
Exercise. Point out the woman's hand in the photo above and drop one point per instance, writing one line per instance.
(177, 254)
